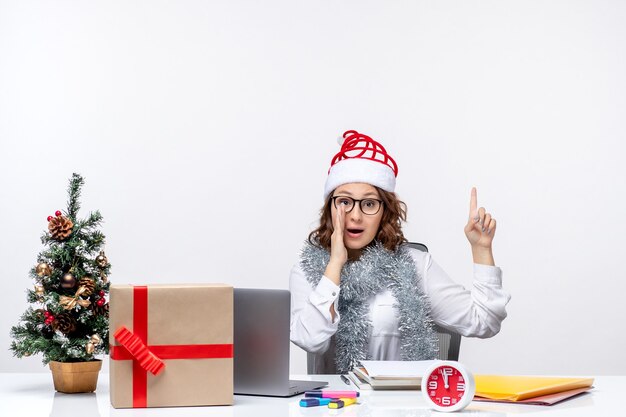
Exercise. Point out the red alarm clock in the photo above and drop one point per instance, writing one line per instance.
(448, 386)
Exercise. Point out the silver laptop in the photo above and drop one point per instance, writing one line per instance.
(261, 344)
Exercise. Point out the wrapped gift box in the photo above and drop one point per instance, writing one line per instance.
(171, 345)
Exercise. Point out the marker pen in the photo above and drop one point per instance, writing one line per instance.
(332, 394)
(314, 402)
(341, 402)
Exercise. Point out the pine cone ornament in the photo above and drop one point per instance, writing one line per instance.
(89, 285)
(65, 323)
(102, 310)
(60, 227)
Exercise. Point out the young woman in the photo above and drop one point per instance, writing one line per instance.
(359, 292)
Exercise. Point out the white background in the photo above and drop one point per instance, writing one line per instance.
(204, 131)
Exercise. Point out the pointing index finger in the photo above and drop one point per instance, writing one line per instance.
(473, 204)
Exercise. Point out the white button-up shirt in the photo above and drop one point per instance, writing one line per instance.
(475, 313)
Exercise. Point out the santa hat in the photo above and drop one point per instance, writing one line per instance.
(361, 159)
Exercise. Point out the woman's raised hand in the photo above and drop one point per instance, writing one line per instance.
(338, 251)
(481, 227)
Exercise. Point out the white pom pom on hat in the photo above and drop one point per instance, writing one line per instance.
(361, 159)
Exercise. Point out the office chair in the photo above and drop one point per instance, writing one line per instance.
(449, 343)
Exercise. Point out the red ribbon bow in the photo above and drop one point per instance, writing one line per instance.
(147, 360)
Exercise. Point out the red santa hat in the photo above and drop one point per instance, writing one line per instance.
(361, 159)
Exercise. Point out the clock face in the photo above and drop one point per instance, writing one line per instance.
(447, 387)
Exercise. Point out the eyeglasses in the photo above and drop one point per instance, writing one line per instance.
(369, 206)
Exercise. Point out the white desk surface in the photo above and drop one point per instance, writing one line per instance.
(32, 395)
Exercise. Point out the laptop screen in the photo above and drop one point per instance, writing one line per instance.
(261, 341)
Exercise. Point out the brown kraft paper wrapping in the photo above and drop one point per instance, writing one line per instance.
(192, 314)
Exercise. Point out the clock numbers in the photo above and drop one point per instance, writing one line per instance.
(448, 386)
(446, 400)
(450, 390)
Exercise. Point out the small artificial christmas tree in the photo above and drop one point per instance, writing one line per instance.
(71, 320)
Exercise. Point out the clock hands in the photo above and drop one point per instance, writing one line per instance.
(445, 372)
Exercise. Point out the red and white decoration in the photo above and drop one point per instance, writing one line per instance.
(448, 386)
(361, 159)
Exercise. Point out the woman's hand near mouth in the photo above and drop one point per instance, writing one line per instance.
(338, 251)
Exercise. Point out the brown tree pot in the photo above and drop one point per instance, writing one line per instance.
(72, 377)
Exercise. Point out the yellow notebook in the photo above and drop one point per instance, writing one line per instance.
(516, 388)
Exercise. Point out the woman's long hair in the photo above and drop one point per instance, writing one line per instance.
(390, 229)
